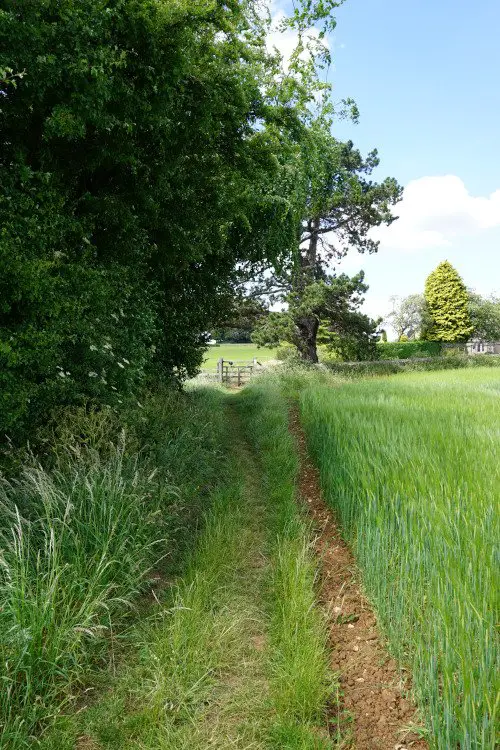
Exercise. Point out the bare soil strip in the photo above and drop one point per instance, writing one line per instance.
(375, 707)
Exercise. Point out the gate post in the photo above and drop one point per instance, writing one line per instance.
(220, 370)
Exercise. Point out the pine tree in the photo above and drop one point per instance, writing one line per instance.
(447, 305)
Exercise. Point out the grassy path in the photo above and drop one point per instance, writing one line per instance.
(234, 654)
(199, 681)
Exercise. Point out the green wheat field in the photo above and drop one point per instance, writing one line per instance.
(411, 466)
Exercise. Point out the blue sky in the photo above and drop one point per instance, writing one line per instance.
(426, 78)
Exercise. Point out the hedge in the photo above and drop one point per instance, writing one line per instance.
(408, 349)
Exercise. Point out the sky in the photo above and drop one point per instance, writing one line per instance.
(426, 78)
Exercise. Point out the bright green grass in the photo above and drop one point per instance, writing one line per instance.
(301, 684)
(234, 653)
(411, 464)
(235, 352)
(79, 537)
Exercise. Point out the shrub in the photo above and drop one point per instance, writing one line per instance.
(287, 352)
(392, 367)
(406, 349)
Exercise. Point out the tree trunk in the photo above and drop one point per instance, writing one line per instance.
(308, 330)
(308, 325)
(309, 256)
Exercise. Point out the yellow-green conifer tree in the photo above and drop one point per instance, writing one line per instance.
(447, 305)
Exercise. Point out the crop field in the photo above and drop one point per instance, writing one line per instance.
(235, 352)
(411, 466)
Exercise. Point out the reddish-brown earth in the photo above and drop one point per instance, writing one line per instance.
(375, 704)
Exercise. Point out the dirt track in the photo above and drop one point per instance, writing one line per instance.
(375, 706)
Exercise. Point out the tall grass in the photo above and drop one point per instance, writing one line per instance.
(78, 537)
(194, 677)
(207, 686)
(411, 465)
(301, 684)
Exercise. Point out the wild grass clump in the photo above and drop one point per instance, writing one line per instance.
(192, 676)
(410, 464)
(78, 537)
(75, 558)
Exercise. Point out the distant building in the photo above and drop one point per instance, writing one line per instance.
(483, 347)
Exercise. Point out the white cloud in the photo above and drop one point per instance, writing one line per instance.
(435, 211)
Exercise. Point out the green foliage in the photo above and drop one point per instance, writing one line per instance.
(275, 328)
(337, 205)
(332, 304)
(142, 157)
(286, 352)
(408, 349)
(240, 321)
(485, 317)
(353, 342)
(336, 202)
(447, 304)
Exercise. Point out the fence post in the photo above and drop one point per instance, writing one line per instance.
(239, 376)
(220, 370)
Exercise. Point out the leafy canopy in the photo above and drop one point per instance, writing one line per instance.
(145, 153)
(333, 306)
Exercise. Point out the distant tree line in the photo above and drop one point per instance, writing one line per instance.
(447, 312)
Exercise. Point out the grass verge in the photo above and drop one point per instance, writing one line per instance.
(196, 680)
(230, 648)
(300, 683)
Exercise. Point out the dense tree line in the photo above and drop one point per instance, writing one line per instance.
(154, 156)
(140, 161)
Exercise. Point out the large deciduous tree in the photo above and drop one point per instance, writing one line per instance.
(334, 304)
(336, 203)
(447, 306)
(406, 317)
(339, 206)
(485, 316)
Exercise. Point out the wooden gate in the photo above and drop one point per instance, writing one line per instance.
(235, 372)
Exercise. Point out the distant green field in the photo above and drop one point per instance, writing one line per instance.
(235, 352)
